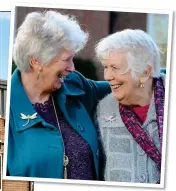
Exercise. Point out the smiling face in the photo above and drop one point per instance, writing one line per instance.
(51, 75)
(116, 72)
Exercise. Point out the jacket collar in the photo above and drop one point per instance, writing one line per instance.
(20, 103)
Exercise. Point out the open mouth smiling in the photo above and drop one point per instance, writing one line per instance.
(116, 86)
(61, 76)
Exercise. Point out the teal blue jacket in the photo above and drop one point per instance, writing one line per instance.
(35, 150)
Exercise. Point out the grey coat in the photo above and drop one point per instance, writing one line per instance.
(125, 159)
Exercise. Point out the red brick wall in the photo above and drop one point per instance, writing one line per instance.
(6, 184)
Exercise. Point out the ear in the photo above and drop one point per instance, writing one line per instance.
(35, 64)
(146, 75)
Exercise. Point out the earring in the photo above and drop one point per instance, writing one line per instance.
(142, 85)
(38, 74)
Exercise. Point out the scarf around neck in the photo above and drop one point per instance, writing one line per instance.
(133, 124)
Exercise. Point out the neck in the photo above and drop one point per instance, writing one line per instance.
(32, 87)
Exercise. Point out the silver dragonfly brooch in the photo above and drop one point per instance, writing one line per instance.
(110, 118)
(28, 117)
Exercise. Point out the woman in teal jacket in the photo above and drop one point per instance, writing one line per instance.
(51, 134)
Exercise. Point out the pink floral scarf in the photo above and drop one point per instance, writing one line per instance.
(133, 124)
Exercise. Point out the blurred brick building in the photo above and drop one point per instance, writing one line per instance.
(98, 23)
(7, 185)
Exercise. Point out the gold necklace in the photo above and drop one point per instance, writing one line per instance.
(65, 157)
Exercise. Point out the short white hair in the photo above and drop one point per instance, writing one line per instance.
(43, 35)
(139, 49)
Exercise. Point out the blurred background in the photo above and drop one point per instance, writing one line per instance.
(102, 23)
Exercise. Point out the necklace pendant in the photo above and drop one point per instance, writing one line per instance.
(65, 163)
(66, 160)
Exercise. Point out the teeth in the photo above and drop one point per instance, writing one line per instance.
(60, 76)
(116, 86)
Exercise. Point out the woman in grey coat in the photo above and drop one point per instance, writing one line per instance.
(130, 119)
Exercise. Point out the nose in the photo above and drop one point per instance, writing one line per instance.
(70, 66)
(108, 76)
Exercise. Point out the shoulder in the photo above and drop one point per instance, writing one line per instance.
(75, 75)
(97, 89)
(107, 101)
(75, 78)
(107, 105)
(107, 112)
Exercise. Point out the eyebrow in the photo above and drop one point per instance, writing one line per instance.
(110, 65)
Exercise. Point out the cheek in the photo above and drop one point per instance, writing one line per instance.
(50, 78)
(128, 86)
(53, 74)
(132, 86)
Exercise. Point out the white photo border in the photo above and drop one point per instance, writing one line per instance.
(94, 8)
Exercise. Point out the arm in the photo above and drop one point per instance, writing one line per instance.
(94, 90)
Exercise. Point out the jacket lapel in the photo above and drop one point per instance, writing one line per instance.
(63, 96)
(20, 105)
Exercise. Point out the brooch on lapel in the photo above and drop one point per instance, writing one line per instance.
(110, 118)
(28, 117)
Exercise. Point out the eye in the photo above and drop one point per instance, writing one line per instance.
(114, 68)
(65, 60)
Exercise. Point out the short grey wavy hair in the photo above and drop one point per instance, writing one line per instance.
(43, 35)
(138, 47)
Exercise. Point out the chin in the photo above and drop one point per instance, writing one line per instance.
(120, 99)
